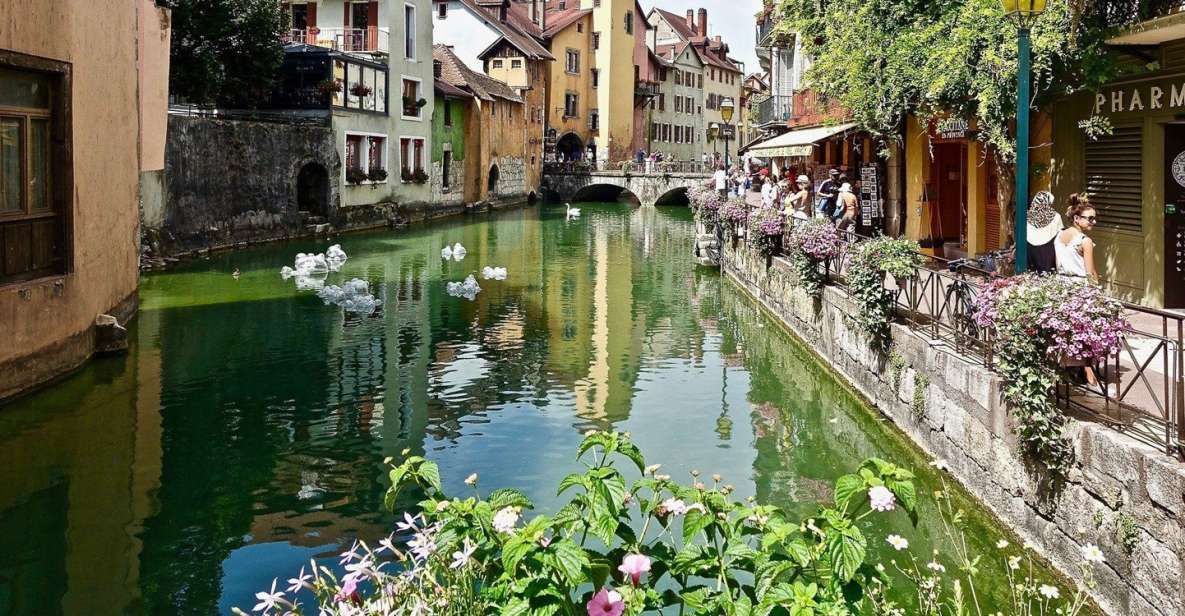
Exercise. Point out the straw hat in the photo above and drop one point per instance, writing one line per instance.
(1044, 222)
(802, 179)
(846, 187)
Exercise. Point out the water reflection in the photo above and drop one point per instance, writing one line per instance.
(246, 430)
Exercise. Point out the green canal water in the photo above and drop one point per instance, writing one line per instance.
(245, 431)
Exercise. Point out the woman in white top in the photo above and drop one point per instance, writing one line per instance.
(768, 192)
(1075, 250)
(1075, 255)
(798, 203)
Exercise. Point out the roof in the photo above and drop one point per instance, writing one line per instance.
(515, 30)
(454, 72)
(558, 21)
(448, 90)
(710, 51)
(678, 23)
(798, 142)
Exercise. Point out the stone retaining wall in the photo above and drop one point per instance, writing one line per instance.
(1123, 496)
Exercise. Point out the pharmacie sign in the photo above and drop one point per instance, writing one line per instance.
(1164, 95)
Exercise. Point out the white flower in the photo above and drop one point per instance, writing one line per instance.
(422, 546)
(940, 464)
(471, 480)
(1014, 563)
(673, 506)
(881, 499)
(898, 542)
(441, 506)
(936, 567)
(505, 520)
(653, 468)
(1049, 592)
(268, 600)
(300, 581)
(408, 523)
(1092, 554)
(461, 557)
(1001, 544)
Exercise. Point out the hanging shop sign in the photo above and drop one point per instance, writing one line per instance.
(953, 128)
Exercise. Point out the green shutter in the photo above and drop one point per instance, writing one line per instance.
(1115, 178)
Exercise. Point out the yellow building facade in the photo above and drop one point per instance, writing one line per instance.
(614, 25)
(571, 79)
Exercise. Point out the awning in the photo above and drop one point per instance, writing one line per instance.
(798, 142)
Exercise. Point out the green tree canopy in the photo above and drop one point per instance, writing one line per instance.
(225, 52)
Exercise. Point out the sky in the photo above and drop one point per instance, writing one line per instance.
(731, 19)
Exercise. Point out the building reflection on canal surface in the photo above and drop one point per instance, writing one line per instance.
(245, 431)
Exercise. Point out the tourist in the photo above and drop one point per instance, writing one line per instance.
(849, 207)
(828, 194)
(798, 205)
(1044, 226)
(640, 156)
(1075, 257)
(721, 178)
(768, 193)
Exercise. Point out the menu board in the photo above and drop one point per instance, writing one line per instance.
(871, 199)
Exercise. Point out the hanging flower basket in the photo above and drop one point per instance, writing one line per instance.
(360, 90)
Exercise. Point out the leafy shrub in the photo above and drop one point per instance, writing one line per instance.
(871, 261)
(355, 176)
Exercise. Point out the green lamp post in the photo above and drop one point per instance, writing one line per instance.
(727, 107)
(1024, 13)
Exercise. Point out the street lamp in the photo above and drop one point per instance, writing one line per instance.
(727, 106)
(713, 133)
(1024, 13)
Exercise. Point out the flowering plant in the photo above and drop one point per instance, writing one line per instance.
(734, 215)
(811, 243)
(765, 231)
(609, 550)
(871, 261)
(1040, 322)
(705, 202)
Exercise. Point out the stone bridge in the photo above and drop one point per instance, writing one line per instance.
(654, 188)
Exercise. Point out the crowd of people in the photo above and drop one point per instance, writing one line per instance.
(833, 199)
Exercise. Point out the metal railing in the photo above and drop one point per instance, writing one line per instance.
(664, 167)
(311, 118)
(1141, 387)
(351, 40)
(776, 109)
(765, 28)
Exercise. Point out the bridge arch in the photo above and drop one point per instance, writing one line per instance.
(605, 193)
(675, 196)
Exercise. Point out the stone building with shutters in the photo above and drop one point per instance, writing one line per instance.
(76, 133)
(1134, 173)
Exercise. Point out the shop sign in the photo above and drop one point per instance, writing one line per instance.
(1144, 97)
(953, 128)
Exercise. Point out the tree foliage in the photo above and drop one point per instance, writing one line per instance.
(225, 52)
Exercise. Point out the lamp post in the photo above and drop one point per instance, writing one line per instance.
(727, 106)
(1024, 13)
(713, 133)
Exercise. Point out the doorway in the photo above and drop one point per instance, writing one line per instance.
(312, 190)
(948, 222)
(492, 183)
(446, 170)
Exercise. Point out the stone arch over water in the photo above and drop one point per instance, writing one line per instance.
(605, 193)
(675, 196)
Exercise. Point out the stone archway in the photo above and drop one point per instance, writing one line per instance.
(571, 147)
(604, 193)
(312, 189)
(492, 182)
(676, 196)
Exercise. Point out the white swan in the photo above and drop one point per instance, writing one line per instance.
(572, 212)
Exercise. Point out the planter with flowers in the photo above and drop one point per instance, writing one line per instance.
(355, 176)
(705, 202)
(871, 262)
(734, 216)
(329, 87)
(360, 90)
(765, 233)
(419, 176)
(377, 175)
(812, 243)
(1041, 323)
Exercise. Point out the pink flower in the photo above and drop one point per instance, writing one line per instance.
(349, 587)
(881, 499)
(634, 565)
(606, 603)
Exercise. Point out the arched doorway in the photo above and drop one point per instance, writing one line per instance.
(570, 147)
(312, 189)
(492, 183)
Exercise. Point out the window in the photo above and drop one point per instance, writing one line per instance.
(409, 31)
(662, 102)
(448, 112)
(571, 102)
(579, 26)
(629, 22)
(678, 134)
(678, 78)
(411, 156)
(516, 64)
(572, 61)
(446, 169)
(31, 136)
(442, 10)
(596, 77)
(596, 40)
(353, 152)
(377, 150)
(496, 63)
(678, 104)
(597, 4)
(700, 79)
(411, 98)
(594, 120)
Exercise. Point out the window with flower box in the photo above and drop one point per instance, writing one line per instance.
(366, 158)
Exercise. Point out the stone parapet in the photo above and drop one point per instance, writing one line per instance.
(1123, 496)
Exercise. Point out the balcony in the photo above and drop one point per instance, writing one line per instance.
(645, 89)
(350, 40)
(775, 110)
(765, 29)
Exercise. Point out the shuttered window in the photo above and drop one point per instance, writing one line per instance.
(1114, 178)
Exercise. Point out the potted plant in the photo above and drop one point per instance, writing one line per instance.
(406, 176)
(419, 177)
(360, 90)
(812, 243)
(355, 176)
(329, 87)
(765, 232)
(421, 103)
(733, 217)
(377, 175)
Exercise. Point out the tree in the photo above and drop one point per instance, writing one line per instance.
(225, 52)
(885, 59)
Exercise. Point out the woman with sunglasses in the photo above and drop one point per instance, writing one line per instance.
(1075, 249)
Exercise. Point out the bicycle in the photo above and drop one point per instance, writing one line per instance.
(959, 299)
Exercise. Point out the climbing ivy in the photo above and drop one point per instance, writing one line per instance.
(871, 261)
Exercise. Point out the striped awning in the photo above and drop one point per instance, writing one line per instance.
(798, 142)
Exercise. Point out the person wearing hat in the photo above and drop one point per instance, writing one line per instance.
(798, 205)
(829, 193)
(1044, 226)
(850, 205)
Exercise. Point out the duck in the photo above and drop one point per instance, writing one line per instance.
(573, 212)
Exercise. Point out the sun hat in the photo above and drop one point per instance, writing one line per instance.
(802, 179)
(846, 187)
(1044, 223)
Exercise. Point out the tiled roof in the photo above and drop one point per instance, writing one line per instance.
(557, 21)
(679, 23)
(448, 89)
(454, 72)
(513, 30)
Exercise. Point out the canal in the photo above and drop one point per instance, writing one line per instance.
(245, 432)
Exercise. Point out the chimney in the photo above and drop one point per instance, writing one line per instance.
(717, 39)
(691, 20)
(703, 22)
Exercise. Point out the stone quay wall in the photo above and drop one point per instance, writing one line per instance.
(1123, 496)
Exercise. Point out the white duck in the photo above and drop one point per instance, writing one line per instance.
(573, 212)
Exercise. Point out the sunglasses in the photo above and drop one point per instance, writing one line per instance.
(1090, 219)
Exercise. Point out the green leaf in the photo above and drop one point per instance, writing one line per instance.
(696, 600)
(516, 606)
(738, 549)
(500, 499)
(905, 492)
(606, 441)
(514, 551)
(569, 559)
(430, 473)
(575, 479)
(846, 549)
(769, 575)
(846, 488)
(604, 527)
(694, 522)
(567, 514)
(632, 452)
